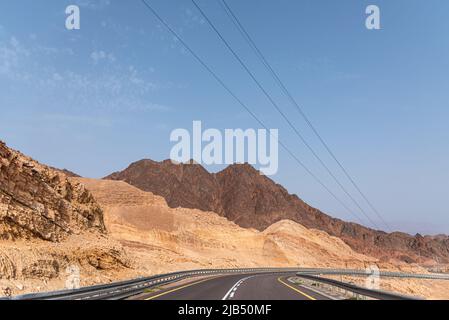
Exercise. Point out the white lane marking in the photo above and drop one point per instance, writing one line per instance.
(231, 292)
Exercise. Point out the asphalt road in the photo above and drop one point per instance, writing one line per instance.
(238, 287)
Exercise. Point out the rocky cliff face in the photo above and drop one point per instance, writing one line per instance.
(50, 227)
(39, 202)
(252, 200)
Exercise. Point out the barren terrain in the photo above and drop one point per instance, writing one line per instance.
(251, 200)
(179, 238)
(59, 230)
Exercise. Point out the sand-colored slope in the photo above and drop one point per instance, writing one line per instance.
(51, 229)
(251, 200)
(178, 238)
(312, 247)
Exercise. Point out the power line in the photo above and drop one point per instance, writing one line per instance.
(218, 79)
(235, 20)
(282, 113)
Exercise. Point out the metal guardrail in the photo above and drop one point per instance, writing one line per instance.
(124, 289)
(375, 294)
(387, 274)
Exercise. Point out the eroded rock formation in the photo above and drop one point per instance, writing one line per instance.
(39, 202)
(251, 200)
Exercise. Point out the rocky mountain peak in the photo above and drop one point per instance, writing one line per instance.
(241, 194)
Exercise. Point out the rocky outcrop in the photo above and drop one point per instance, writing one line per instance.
(51, 228)
(252, 200)
(39, 202)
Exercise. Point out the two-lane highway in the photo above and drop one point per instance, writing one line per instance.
(272, 286)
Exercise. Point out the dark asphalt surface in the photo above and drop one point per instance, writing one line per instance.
(238, 287)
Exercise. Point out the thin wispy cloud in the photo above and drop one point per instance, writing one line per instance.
(93, 4)
(48, 50)
(98, 56)
(117, 88)
(69, 119)
(12, 55)
(192, 19)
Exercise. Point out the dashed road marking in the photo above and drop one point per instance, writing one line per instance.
(230, 294)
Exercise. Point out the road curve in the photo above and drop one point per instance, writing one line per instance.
(272, 286)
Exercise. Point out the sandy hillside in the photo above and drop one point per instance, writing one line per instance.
(173, 239)
(56, 230)
(163, 239)
(51, 230)
(28, 266)
(251, 200)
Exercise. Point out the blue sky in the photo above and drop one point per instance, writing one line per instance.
(94, 100)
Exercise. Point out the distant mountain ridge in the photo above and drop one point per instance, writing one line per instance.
(251, 200)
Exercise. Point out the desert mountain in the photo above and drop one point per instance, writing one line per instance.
(180, 238)
(251, 200)
(168, 239)
(49, 224)
(57, 230)
(53, 227)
